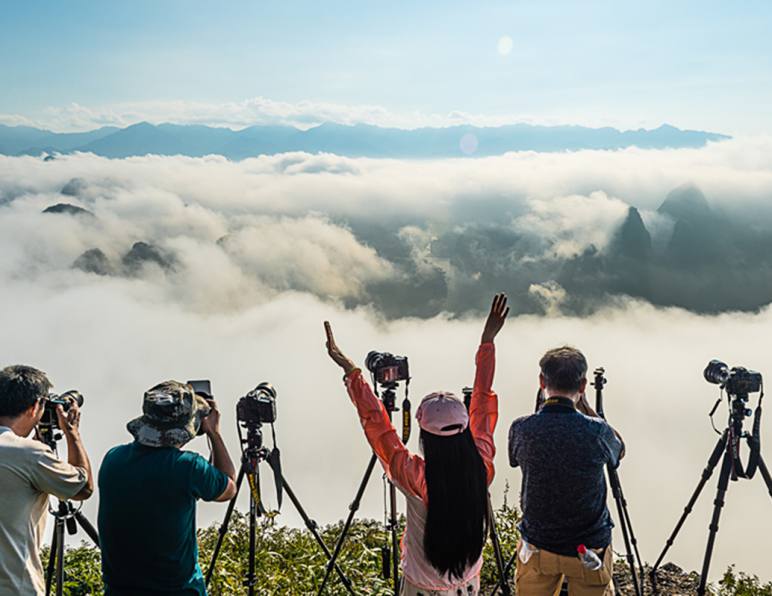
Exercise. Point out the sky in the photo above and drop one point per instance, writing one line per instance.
(703, 65)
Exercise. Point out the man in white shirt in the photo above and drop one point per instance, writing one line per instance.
(29, 472)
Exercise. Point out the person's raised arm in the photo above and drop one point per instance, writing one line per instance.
(69, 423)
(221, 459)
(483, 408)
(404, 468)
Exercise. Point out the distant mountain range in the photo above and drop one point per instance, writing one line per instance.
(360, 140)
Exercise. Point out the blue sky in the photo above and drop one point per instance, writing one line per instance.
(704, 65)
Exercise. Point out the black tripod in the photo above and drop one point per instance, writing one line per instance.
(253, 452)
(66, 515)
(728, 446)
(631, 544)
(390, 554)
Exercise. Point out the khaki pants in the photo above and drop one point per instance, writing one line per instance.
(543, 575)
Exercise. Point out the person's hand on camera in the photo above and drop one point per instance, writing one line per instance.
(496, 318)
(210, 425)
(69, 421)
(335, 353)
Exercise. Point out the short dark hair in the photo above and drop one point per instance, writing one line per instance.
(20, 387)
(563, 369)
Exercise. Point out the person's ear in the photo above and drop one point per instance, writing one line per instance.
(582, 384)
(36, 410)
(542, 382)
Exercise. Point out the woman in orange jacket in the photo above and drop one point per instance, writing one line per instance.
(446, 488)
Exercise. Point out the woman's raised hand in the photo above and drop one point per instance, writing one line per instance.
(335, 353)
(496, 318)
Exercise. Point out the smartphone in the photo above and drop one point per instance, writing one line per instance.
(202, 387)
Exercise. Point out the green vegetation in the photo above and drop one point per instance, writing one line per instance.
(290, 562)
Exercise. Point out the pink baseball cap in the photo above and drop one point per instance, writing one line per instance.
(443, 414)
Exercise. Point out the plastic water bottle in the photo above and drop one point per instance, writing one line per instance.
(588, 557)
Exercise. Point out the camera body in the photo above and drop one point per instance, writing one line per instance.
(66, 399)
(387, 368)
(736, 381)
(258, 406)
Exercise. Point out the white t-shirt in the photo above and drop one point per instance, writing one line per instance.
(29, 472)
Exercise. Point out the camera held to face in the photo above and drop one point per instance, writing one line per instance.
(387, 368)
(258, 406)
(66, 400)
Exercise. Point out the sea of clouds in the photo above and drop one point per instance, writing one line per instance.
(263, 250)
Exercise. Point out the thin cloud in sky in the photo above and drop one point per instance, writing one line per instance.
(263, 110)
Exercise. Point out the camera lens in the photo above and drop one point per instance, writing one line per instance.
(267, 388)
(373, 360)
(716, 372)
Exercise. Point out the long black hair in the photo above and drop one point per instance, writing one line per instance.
(457, 491)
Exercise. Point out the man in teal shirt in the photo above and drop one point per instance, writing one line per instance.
(148, 493)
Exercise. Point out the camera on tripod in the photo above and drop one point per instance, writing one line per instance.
(387, 368)
(50, 421)
(737, 380)
(258, 406)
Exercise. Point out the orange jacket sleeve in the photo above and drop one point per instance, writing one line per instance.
(484, 406)
(405, 469)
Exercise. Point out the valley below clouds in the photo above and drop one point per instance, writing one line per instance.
(653, 262)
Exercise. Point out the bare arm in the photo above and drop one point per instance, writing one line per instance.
(69, 422)
(220, 457)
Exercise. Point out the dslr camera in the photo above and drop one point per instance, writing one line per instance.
(737, 380)
(258, 406)
(387, 368)
(66, 399)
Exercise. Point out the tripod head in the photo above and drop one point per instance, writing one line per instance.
(388, 396)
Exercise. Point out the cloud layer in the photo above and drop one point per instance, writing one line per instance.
(408, 238)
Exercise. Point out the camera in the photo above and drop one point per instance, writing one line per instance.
(387, 368)
(737, 380)
(65, 400)
(258, 406)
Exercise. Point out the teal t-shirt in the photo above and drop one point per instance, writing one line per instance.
(147, 518)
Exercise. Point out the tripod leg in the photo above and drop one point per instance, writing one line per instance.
(502, 583)
(765, 474)
(52, 553)
(89, 529)
(253, 513)
(349, 519)
(723, 483)
(394, 537)
(60, 555)
(314, 529)
(224, 527)
(706, 473)
(634, 542)
(616, 489)
(507, 571)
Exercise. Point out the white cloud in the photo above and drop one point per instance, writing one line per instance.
(250, 112)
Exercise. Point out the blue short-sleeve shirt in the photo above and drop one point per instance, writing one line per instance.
(147, 518)
(563, 455)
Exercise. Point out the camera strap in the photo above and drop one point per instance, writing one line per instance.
(754, 441)
(406, 421)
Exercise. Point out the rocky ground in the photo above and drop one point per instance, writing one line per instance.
(671, 580)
